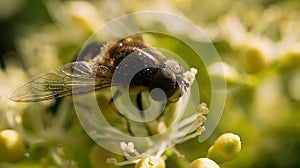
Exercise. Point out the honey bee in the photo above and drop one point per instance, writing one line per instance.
(95, 67)
(112, 63)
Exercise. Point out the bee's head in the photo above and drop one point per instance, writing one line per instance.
(169, 78)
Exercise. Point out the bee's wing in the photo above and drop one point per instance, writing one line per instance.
(72, 78)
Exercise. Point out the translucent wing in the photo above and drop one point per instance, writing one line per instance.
(72, 78)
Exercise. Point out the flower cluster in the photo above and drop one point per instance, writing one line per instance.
(180, 131)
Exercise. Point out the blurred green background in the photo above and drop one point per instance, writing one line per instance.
(258, 41)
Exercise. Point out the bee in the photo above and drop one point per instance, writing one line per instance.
(101, 65)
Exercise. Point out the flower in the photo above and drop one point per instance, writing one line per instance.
(45, 132)
(133, 156)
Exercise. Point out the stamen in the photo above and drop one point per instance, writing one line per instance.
(128, 150)
(189, 76)
(193, 125)
(162, 149)
(202, 108)
(113, 161)
(193, 135)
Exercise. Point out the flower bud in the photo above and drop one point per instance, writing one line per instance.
(11, 146)
(203, 163)
(289, 61)
(253, 60)
(226, 148)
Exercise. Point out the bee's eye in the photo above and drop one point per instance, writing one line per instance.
(164, 86)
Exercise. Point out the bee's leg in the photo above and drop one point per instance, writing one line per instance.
(140, 105)
(141, 109)
(163, 106)
(114, 97)
(127, 123)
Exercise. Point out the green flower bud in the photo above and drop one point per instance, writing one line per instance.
(11, 146)
(151, 162)
(254, 58)
(289, 61)
(226, 148)
(203, 163)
